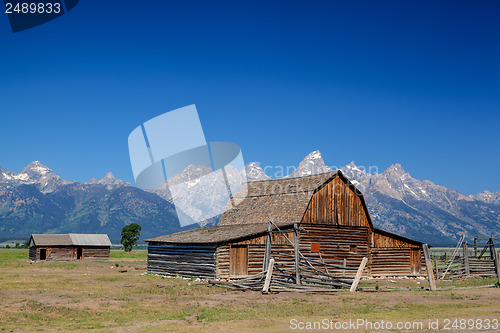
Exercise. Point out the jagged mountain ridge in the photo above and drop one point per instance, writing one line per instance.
(37, 200)
(421, 209)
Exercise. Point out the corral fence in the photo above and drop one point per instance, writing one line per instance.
(475, 257)
(291, 270)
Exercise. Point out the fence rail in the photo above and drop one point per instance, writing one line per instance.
(467, 259)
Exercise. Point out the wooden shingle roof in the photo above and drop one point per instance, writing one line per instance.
(51, 240)
(216, 234)
(282, 200)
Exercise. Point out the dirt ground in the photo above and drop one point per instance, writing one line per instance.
(117, 296)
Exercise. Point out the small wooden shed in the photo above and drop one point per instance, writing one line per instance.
(69, 247)
(324, 215)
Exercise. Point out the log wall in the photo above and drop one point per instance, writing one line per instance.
(182, 260)
(33, 253)
(336, 243)
(94, 253)
(255, 257)
(70, 253)
(336, 204)
(397, 261)
(380, 239)
(56, 253)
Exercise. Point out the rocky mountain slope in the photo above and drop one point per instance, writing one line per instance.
(37, 200)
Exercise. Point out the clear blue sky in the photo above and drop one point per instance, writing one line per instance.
(374, 82)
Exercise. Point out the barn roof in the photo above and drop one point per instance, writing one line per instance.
(285, 201)
(71, 239)
(216, 234)
(282, 200)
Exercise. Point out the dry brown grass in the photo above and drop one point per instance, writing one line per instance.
(84, 296)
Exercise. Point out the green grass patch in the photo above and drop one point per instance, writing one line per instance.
(8, 255)
(135, 254)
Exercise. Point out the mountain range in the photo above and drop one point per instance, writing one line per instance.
(37, 200)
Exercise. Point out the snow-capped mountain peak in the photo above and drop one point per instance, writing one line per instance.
(111, 181)
(34, 173)
(36, 168)
(255, 173)
(312, 164)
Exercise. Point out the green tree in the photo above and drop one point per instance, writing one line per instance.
(130, 236)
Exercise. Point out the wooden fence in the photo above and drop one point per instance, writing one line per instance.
(476, 258)
(290, 269)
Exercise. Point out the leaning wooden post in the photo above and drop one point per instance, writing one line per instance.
(492, 248)
(495, 259)
(297, 258)
(355, 283)
(466, 259)
(436, 264)
(428, 265)
(498, 267)
(269, 274)
(267, 252)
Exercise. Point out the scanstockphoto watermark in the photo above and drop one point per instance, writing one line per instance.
(26, 14)
(417, 325)
(280, 171)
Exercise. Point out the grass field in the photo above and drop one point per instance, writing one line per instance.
(116, 296)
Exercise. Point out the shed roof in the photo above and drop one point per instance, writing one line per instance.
(71, 239)
(48, 240)
(216, 234)
(90, 239)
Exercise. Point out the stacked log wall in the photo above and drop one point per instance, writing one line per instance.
(182, 260)
(33, 253)
(62, 253)
(256, 250)
(394, 261)
(336, 244)
(57, 253)
(385, 241)
(94, 253)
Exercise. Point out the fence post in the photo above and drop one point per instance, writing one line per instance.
(475, 247)
(269, 274)
(436, 264)
(355, 283)
(296, 248)
(267, 253)
(466, 259)
(491, 245)
(428, 265)
(498, 267)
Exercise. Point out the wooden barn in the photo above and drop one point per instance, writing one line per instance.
(69, 247)
(321, 217)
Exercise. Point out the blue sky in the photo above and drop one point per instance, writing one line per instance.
(374, 82)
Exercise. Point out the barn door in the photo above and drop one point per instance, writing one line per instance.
(415, 260)
(79, 253)
(238, 260)
(43, 254)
